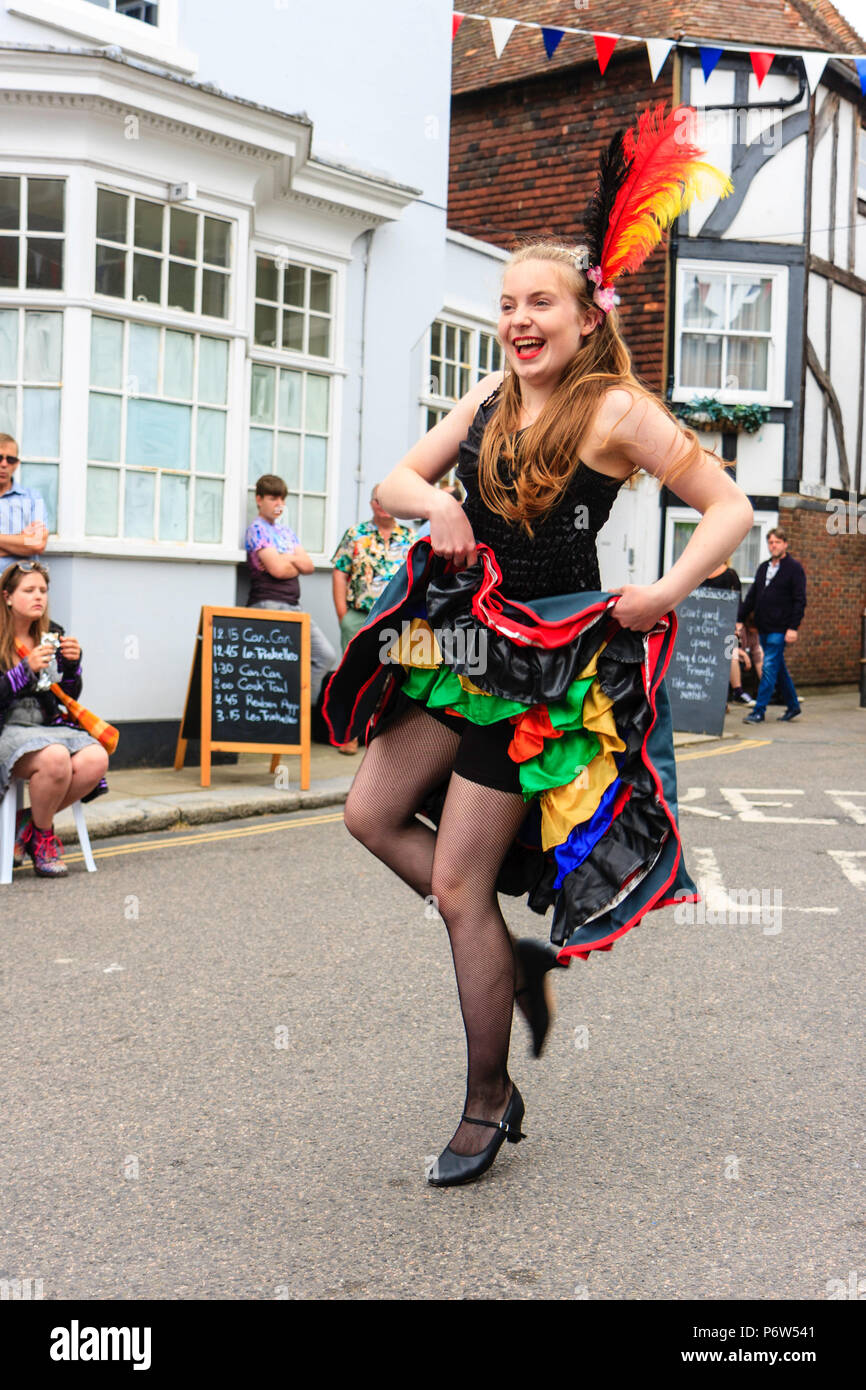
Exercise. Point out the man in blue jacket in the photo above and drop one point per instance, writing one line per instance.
(777, 599)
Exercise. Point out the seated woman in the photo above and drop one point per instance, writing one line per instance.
(38, 743)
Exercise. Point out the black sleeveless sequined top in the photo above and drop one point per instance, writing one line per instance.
(561, 557)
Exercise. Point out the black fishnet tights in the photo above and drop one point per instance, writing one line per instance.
(459, 866)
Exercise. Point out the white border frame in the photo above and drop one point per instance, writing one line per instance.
(777, 355)
(156, 42)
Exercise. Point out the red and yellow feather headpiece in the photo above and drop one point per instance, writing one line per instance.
(647, 176)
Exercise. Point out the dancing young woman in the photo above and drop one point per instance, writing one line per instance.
(493, 669)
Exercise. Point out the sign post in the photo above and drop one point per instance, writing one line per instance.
(249, 687)
(698, 676)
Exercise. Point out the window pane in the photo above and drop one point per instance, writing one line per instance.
(208, 521)
(703, 300)
(42, 478)
(173, 508)
(147, 234)
(262, 395)
(103, 428)
(10, 203)
(102, 497)
(317, 403)
(43, 337)
(293, 285)
(111, 215)
(448, 388)
(701, 361)
(436, 339)
(8, 344)
(106, 352)
(8, 411)
(214, 294)
(139, 493)
(315, 463)
(184, 227)
(45, 205)
(683, 532)
(747, 364)
(261, 454)
(216, 241)
(450, 341)
(178, 365)
(265, 332)
(211, 441)
(289, 459)
(9, 262)
(41, 422)
(320, 291)
(110, 271)
(213, 360)
(266, 278)
(312, 533)
(146, 275)
(751, 304)
(181, 286)
(290, 515)
(44, 263)
(158, 435)
(747, 556)
(320, 337)
(143, 359)
(293, 331)
(291, 384)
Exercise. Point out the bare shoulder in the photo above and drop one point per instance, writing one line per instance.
(486, 387)
(601, 447)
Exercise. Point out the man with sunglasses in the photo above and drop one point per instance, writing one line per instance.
(22, 527)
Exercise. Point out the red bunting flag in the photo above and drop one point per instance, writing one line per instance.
(456, 21)
(604, 46)
(761, 64)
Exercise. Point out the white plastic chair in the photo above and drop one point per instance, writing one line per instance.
(12, 802)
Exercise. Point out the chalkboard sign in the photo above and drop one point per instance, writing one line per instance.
(249, 687)
(699, 673)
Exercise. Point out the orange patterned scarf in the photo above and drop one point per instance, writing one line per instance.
(104, 733)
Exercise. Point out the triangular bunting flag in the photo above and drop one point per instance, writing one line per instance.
(761, 63)
(861, 69)
(456, 21)
(814, 63)
(657, 50)
(552, 39)
(501, 30)
(709, 58)
(604, 46)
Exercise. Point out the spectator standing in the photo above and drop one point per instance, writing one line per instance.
(725, 577)
(23, 532)
(368, 556)
(777, 599)
(276, 557)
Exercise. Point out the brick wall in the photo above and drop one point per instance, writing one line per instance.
(828, 650)
(524, 160)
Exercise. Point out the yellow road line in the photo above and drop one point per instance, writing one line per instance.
(173, 840)
(735, 748)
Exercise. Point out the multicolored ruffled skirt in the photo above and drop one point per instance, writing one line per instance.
(592, 733)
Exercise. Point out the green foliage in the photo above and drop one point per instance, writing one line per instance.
(706, 412)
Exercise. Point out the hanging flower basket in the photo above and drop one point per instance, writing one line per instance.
(706, 413)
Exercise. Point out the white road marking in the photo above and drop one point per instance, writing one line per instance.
(841, 798)
(708, 877)
(693, 793)
(854, 872)
(745, 803)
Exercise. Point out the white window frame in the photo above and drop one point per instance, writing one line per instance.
(861, 164)
(88, 21)
(450, 318)
(257, 355)
(766, 521)
(776, 357)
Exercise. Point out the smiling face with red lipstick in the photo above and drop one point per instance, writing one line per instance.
(541, 327)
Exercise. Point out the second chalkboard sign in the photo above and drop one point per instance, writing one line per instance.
(249, 689)
(698, 675)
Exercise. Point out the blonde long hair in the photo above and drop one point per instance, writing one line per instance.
(9, 581)
(550, 447)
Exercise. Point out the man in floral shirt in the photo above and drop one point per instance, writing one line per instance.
(367, 557)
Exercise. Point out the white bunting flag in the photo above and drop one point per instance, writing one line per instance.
(657, 50)
(501, 31)
(814, 63)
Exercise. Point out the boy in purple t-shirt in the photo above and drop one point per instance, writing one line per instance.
(276, 557)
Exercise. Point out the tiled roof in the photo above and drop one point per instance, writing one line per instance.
(814, 24)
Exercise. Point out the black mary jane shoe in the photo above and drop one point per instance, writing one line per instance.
(451, 1169)
(535, 961)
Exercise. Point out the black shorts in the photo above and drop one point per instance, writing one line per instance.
(482, 754)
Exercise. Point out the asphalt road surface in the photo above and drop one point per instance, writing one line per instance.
(229, 1054)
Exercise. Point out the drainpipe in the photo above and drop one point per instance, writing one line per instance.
(362, 384)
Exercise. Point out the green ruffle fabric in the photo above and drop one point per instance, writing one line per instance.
(559, 761)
